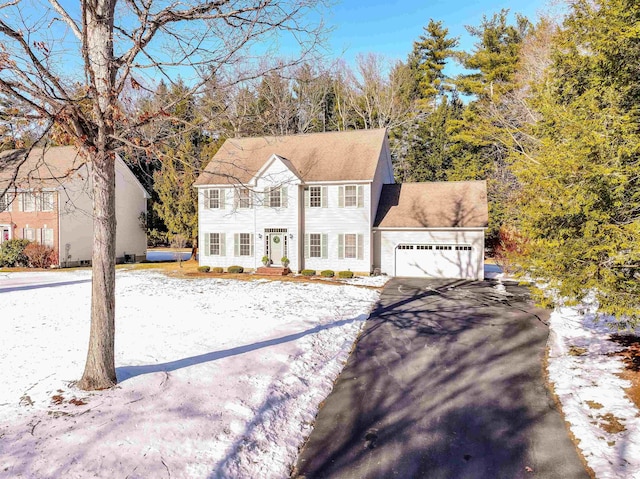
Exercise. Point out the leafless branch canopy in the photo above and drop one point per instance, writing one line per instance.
(55, 70)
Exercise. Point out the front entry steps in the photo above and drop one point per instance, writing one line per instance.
(273, 271)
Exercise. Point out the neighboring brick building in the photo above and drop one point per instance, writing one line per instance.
(49, 202)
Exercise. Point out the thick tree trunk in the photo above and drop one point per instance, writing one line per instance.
(100, 371)
(194, 248)
(98, 17)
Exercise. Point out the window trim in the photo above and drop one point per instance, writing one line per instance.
(359, 196)
(47, 205)
(6, 200)
(43, 234)
(209, 200)
(359, 246)
(243, 198)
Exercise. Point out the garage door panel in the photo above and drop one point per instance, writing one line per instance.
(435, 261)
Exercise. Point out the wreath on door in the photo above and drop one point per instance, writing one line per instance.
(276, 239)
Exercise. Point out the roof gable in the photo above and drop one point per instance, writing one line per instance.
(50, 168)
(270, 163)
(447, 204)
(334, 156)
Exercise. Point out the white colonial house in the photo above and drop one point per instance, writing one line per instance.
(328, 201)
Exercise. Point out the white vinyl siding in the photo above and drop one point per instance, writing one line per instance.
(243, 244)
(214, 198)
(351, 196)
(214, 244)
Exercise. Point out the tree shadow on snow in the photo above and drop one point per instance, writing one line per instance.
(445, 382)
(127, 372)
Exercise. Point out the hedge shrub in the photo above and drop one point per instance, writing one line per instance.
(327, 273)
(203, 269)
(235, 269)
(308, 272)
(217, 269)
(12, 253)
(40, 256)
(345, 274)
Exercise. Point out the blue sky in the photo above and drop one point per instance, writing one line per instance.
(390, 27)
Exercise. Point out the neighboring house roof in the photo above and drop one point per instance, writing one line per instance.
(334, 156)
(47, 168)
(433, 205)
(43, 168)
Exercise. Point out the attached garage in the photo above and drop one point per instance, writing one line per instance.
(432, 230)
(433, 260)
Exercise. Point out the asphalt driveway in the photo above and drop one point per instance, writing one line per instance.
(446, 381)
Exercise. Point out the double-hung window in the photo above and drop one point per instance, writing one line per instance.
(214, 244)
(275, 197)
(47, 237)
(46, 201)
(28, 202)
(5, 202)
(316, 197)
(350, 246)
(315, 245)
(29, 234)
(243, 244)
(243, 198)
(351, 196)
(213, 198)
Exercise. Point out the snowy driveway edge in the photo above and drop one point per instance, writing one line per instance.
(584, 372)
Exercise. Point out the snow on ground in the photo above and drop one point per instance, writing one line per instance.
(585, 375)
(218, 378)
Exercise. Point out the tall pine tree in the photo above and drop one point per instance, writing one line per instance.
(580, 204)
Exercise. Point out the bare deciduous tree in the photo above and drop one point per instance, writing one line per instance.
(72, 67)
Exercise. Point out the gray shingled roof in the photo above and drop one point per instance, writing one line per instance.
(44, 168)
(433, 205)
(334, 156)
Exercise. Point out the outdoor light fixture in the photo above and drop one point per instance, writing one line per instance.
(259, 235)
(291, 236)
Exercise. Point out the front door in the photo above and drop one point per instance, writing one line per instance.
(5, 233)
(276, 245)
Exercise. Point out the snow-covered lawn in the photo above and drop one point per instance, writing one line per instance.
(585, 375)
(218, 378)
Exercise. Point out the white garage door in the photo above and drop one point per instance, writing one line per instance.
(435, 261)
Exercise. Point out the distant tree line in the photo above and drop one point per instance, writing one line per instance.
(548, 112)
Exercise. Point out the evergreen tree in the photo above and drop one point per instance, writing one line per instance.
(428, 59)
(580, 204)
(481, 143)
(177, 203)
(424, 144)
